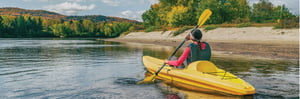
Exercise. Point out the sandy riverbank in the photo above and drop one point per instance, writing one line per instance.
(250, 41)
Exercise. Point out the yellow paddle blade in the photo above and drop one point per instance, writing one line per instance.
(148, 79)
(204, 16)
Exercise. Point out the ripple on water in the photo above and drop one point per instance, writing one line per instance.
(126, 81)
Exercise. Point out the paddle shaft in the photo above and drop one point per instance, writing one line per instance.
(203, 17)
(156, 73)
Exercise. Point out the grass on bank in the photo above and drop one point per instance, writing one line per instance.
(215, 26)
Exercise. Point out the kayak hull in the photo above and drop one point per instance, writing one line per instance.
(199, 76)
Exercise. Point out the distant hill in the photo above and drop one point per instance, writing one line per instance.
(52, 15)
(41, 13)
(99, 18)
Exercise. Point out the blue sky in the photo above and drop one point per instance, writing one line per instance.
(131, 9)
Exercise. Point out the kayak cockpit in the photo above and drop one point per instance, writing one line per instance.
(202, 66)
(207, 67)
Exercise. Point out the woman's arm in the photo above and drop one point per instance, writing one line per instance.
(181, 59)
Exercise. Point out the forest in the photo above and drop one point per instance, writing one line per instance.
(28, 26)
(178, 13)
(164, 15)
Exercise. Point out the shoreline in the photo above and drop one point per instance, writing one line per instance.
(249, 41)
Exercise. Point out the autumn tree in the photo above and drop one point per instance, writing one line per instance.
(262, 11)
(177, 13)
(156, 16)
(281, 12)
(176, 16)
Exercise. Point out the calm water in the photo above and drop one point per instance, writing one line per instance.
(88, 68)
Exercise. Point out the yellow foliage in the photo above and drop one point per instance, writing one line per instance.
(155, 6)
(177, 11)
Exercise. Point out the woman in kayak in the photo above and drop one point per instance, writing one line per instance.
(195, 51)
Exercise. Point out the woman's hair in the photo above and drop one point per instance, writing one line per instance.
(196, 35)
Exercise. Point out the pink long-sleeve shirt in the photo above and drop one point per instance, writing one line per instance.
(184, 55)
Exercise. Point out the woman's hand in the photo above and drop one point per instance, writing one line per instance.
(188, 37)
(166, 61)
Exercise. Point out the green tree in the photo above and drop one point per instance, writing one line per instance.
(225, 10)
(262, 11)
(88, 26)
(215, 7)
(107, 31)
(191, 17)
(35, 27)
(19, 27)
(77, 27)
(1, 27)
(236, 10)
(1, 24)
(7, 26)
(120, 27)
(156, 16)
(61, 30)
(28, 26)
(281, 12)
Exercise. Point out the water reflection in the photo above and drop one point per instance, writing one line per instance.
(88, 68)
(70, 69)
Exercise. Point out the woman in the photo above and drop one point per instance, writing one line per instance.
(195, 51)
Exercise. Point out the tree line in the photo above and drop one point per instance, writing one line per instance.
(175, 13)
(166, 13)
(28, 26)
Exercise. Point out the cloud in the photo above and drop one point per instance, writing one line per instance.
(76, 0)
(55, 0)
(69, 8)
(35, 0)
(26, 0)
(80, 0)
(44, 0)
(292, 5)
(111, 2)
(132, 15)
(153, 1)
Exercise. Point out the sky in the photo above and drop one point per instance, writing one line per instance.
(130, 9)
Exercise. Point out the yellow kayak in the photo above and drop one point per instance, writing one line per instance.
(200, 76)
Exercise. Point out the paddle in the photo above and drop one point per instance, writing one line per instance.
(204, 16)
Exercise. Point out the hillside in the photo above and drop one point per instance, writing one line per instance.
(52, 15)
(99, 18)
(41, 13)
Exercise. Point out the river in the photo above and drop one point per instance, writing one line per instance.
(90, 68)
